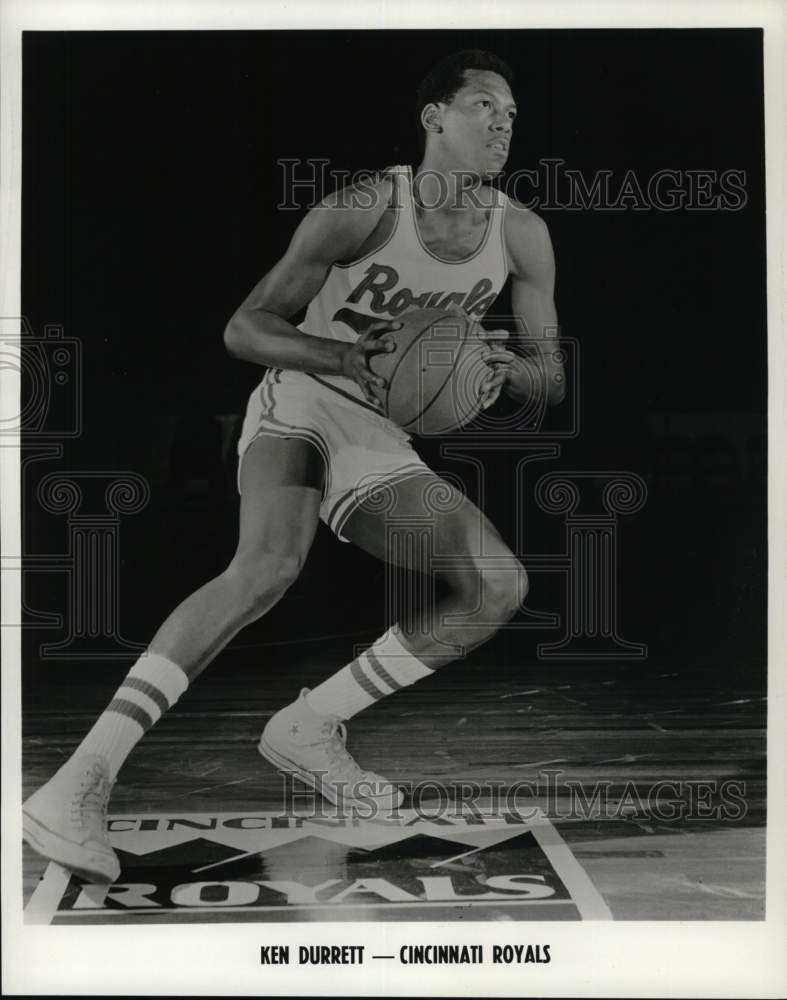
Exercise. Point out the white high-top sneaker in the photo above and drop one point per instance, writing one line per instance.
(311, 746)
(65, 820)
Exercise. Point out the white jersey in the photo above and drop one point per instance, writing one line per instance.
(403, 274)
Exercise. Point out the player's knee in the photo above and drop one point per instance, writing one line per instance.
(496, 589)
(505, 589)
(262, 578)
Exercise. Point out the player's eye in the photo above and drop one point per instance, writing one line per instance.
(486, 103)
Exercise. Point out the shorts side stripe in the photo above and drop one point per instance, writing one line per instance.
(266, 401)
(269, 400)
(360, 494)
(268, 423)
(347, 503)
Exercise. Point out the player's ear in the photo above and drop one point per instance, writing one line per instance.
(430, 118)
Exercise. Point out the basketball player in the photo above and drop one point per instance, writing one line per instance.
(315, 445)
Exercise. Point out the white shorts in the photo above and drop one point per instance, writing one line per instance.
(361, 449)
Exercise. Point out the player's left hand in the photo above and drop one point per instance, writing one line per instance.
(501, 364)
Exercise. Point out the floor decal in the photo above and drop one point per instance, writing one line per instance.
(265, 866)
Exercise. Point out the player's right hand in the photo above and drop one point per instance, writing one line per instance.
(355, 363)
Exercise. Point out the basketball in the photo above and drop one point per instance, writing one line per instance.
(435, 375)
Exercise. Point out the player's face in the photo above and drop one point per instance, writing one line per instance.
(478, 123)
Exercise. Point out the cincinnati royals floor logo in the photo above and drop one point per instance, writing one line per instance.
(180, 867)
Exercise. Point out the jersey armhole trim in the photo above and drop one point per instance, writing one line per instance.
(396, 205)
(504, 207)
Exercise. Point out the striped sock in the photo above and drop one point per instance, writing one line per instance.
(152, 686)
(385, 667)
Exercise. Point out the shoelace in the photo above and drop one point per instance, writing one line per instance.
(88, 806)
(334, 738)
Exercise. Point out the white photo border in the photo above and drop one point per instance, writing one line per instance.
(643, 958)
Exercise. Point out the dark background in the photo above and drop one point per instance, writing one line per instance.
(150, 187)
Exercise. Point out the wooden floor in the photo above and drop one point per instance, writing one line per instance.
(619, 727)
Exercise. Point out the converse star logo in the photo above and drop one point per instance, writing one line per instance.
(296, 729)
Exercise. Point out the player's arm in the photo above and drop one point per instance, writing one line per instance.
(259, 330)
(538, 368)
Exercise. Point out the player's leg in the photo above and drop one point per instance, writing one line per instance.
(281, 483)
(482, 583)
